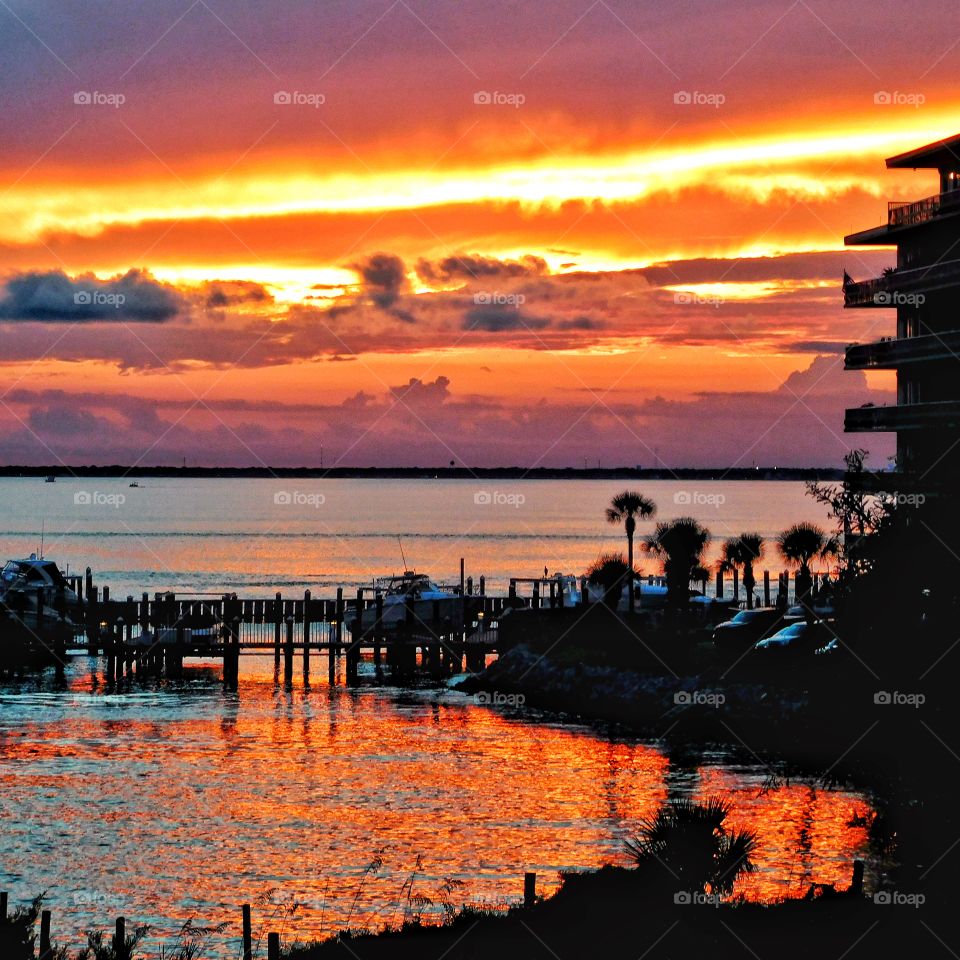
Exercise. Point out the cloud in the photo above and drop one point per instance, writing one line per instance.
(227, 293)
(474, 267)
(384, 277)
(495, 318)
(53, 297)
(417, 393)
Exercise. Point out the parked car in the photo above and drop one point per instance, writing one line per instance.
(747, 627)
(796, 638)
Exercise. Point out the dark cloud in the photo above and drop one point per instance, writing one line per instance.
(53, 297)
(228, 293)
(496, 318)
(474, 267)
(791, 266)
(580, 323)
(417, 393)
(384, 277)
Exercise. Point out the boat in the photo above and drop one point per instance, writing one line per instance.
(31, 632)
(36, 573)
(50, 479)
(134, 484)
(430, 603)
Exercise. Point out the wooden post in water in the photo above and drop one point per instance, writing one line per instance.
(856, 883)
(433, 657)
(120, 940)
(306, 635)
(247, 933)
(584, 594)
(273, 946)
(719, 584)
(736, 585)
(45, 935)
(339, 619)
(529, 889)
(483, 586)
(462, 583)
(3, 906)
(536, 595)
(288, 654)
(512, 593)
(766, 588)
(378, 630)
(277, 621)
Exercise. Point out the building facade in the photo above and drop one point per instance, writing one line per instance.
(924, 290)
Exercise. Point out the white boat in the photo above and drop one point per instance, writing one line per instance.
(34, 574)
(429, 601)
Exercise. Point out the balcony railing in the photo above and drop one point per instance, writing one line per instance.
(905, 416)
(901, 214)
(901, 287)
(892, 352)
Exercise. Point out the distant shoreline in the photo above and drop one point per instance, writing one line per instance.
(431, 473)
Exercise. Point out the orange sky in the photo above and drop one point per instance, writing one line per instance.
(575, 226)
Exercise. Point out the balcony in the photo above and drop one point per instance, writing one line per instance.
(942, 414)
(902, 287)
(922, 211)
(891, 353)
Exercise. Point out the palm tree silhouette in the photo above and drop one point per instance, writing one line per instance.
(625, 508)
(680, 544)
(798, 545)
(743, 552)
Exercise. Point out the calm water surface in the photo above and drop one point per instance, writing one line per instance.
(259, 536)
(162, 801)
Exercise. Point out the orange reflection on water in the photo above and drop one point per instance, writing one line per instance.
(162, 802)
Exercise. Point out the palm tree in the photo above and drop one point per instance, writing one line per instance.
(680, 543)
(743, 552)
(799, 545)
(609, 572)
(691, 842)
(625, 508)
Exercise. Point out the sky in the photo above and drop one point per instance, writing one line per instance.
(412, 232)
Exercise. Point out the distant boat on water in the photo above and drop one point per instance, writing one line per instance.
(50, 479)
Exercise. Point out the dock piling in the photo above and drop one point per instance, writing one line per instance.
(45, 950)
(273, 946)
(306, 635)
(247, 933)
(529, 889)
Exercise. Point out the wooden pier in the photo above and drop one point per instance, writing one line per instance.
(155, 634)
